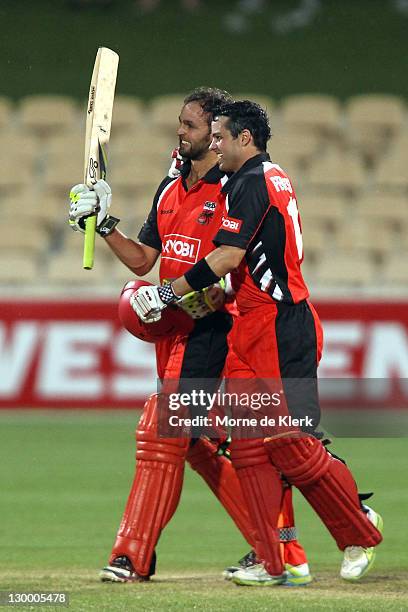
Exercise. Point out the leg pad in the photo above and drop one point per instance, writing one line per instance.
(262, 489)
(155, 492)
(217, 471)
(328, 486)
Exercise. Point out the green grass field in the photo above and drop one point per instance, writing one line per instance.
(64, 482)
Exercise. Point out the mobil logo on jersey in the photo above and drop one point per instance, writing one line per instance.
(181, 248)
(231, 225)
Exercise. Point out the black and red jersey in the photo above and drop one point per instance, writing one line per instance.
(182, 223)
(262, 217)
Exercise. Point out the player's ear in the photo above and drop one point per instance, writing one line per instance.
(246, 138)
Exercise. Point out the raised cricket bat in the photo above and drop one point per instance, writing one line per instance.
(98, 128)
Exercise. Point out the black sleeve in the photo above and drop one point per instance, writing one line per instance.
(149, 234)
(248, 203)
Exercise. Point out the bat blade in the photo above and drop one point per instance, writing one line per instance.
(98, 129)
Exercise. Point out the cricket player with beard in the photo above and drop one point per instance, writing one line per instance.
(184, 219)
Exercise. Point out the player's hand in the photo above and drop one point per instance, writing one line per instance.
(148, 302)
(199, 304)
(85, 202)
(176, 164)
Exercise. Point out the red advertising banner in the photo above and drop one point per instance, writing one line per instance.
(76, 355)
(69, 355)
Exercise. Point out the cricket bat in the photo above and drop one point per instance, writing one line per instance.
(98, 128)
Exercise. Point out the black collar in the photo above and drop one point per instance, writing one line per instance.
(213, 176)
(252, 162)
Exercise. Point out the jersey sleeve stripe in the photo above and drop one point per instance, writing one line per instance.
(165, 190)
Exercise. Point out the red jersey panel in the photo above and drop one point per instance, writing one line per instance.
(263, 218)
(182, 224)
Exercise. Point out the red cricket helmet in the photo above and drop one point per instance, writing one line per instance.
(173, 320)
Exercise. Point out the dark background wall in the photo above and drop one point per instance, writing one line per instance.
(343, 47)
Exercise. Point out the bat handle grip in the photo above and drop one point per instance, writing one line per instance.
(89, 242)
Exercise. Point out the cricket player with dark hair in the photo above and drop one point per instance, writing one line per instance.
(180, 229)
(276, 335)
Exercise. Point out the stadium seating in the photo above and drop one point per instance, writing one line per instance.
(289, 146)
(365, 235)
(18, 268)
(347, 161)
(326, 211)
(44, 115)
(28, 237)
(391, 174)
(373, 119)
(336, 172)
(312, 113)
(164, 111)
(128, 114)
(341, 269)
(67, 272)
(383, 207)
(6, 111)
(395, 271)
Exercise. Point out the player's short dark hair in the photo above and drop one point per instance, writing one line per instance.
(209, 98)
(246, 115)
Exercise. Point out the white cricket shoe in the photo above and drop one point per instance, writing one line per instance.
(247, 560)
(257, 576)
(357, 561)
(297, 575)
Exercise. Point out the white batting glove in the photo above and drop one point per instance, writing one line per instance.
(176, 164)
(85, 202)
(148, 302)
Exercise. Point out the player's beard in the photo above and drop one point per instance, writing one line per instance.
(195, 151)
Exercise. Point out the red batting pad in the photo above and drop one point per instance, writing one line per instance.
(328, 486)
(155, 491)
(262, 489)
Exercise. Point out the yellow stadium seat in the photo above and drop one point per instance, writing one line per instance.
(352, 269)
(15, 178)
(395, 270)
(22, 148)
(128, 114)
(65, 270)
(309, 271)
(72, 244)
(322, 210)
(146, 148)
(383, 208)
(336, 172)
(164, 112)
(62, 174)
(365, 235)
(6, 112)
(43, 115)
(312, 112)
(315, 243)
(29, 237)
(18, 268)
(391, 173)
(399, 146)
(132, 179)
(70, 143)
(301, 147)
(376, 110)
(372, 119)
